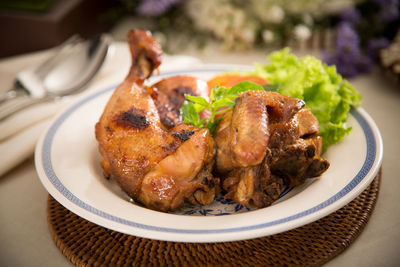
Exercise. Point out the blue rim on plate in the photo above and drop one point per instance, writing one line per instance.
(370, 159)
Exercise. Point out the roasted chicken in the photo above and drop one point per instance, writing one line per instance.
(267, 141)
(156, 160)
(169, 95)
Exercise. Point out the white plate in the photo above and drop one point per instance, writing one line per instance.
(67, 161)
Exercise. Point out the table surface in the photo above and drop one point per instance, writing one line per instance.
(25, 238)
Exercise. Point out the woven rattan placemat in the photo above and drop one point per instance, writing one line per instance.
(86, 244)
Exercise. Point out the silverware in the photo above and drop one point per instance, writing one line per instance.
(73, 65)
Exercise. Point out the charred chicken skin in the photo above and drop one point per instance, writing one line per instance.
(169, 95)
(157, 163)
(267, 141)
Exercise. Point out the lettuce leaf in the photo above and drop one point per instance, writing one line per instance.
(326, 93)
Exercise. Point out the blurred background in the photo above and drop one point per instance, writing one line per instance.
(355, 35)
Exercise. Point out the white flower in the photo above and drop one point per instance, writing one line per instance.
(275, 14)
(248, 35)
(302, 32)
(268, 36)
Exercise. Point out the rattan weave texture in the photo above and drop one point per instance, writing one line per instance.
(87, 244)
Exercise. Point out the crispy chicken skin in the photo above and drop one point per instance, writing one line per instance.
(159, 168)
(242, 135)
(249, 131)
(169, 95)
(266, 142)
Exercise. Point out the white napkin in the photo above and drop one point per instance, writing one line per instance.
(20, 132)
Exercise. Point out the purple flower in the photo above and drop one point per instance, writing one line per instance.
(351, 15)
(155, 8)
(348, 65)
(347, 57)
(374, 45)
(347, 38)
(389, 9)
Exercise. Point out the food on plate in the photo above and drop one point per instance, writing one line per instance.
(159, 167)
(231, 79)
(169, 95)
(265, 142)
(249, 134)
(325, 92)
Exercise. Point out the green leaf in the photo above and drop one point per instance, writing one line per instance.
(326, 93)
(202, 122)
(243, 87)
(271, 87)
(222, 110)
(223, 102)
(217, 92)
(198, 108)
(189, 113)
(213, 125)
(197, 99)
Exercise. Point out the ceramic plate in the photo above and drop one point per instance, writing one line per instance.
(68, 164)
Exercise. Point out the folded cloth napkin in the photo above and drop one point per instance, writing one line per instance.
(20, 132)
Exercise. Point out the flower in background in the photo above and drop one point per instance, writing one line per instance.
(363, 27)
(302, 32)
(350, 15)
(155, 8)
(227, 22)
(348, 58)
(389, 9)
(303, 6)
(268, 36)
(273, 14)
(266, 11)
(363, 31)
(347, 38)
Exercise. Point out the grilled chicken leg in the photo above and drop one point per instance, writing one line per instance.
(156, 167)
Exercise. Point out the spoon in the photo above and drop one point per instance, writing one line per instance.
(67, 72)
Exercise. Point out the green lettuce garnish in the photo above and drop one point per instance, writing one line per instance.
(326, 93)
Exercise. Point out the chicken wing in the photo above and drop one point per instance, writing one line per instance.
(266, 142)
(156, 167)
